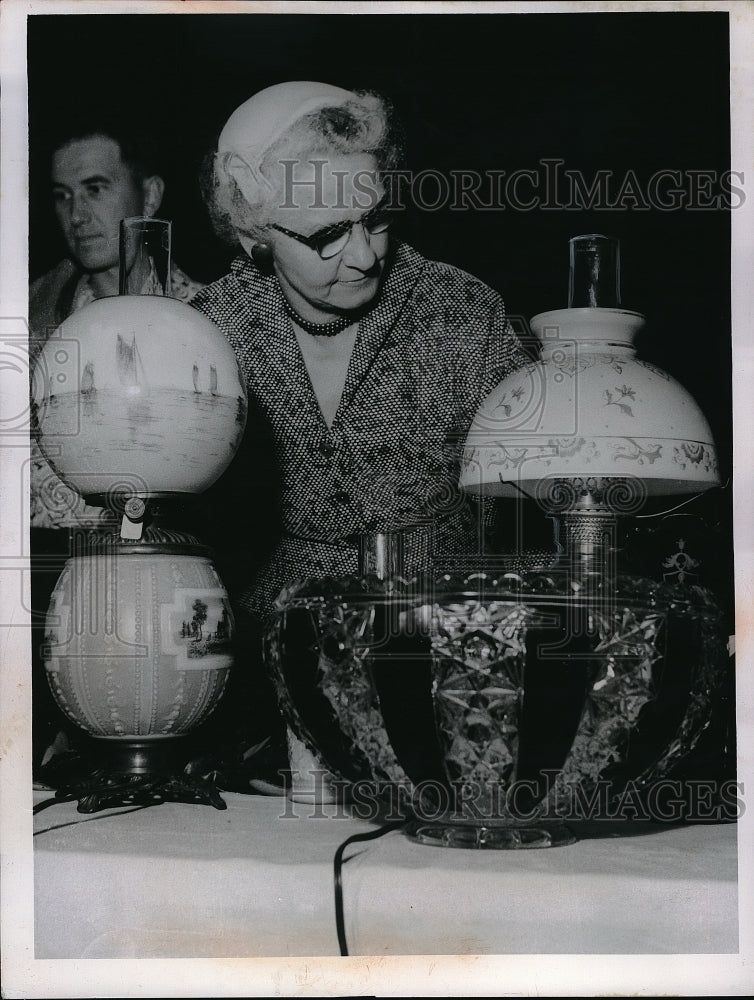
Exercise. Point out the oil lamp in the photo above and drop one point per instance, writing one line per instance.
(590, 431)
(502, 702)
(139, 404)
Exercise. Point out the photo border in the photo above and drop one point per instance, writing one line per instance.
(23, 976)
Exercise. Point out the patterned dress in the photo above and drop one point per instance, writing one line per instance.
(433, 346)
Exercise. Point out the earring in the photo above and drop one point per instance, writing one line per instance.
(261, 254)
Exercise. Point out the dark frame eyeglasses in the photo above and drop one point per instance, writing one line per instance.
(329, 242)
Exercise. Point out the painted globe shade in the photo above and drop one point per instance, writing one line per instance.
(138, 645)
(140, 394)
(589, 408)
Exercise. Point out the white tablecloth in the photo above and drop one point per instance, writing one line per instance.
(177, 881)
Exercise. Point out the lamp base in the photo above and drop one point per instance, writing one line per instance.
(112, 773)
(510, 837)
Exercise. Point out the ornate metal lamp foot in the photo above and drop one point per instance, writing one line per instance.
(102, 790)
(129, 773)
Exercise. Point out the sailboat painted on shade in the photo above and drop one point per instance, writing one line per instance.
(88, 389)
(130, 367)
(212, 380)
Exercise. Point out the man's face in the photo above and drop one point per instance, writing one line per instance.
(93, 189)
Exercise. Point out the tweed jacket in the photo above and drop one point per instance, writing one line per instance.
(433, 346)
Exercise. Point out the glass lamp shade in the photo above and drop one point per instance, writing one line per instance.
(138, 394)
(589, 408)
(138, 637)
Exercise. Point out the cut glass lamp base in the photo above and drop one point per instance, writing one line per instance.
(491, 838)
(482, 683)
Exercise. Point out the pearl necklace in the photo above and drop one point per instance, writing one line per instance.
(323, 329)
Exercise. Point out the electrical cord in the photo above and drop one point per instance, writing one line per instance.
(678, 506)
(338, 876)
(77, 822)
(338, 861)
(46, 803)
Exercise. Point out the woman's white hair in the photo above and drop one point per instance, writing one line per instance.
(361, 124)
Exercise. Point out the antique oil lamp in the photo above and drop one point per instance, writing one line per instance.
(504, 703)
(139, 404)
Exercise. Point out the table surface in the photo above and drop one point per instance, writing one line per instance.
(180, 881)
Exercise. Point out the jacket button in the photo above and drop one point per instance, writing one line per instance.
(327, 448)
(341, 496)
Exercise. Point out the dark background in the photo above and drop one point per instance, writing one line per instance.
(619, 92)
(637, 92)
(645, 92)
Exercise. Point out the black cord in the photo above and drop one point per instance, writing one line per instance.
(338, 866)
(53, 800)
(78, 822)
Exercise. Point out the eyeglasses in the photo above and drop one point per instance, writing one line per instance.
(331, 240)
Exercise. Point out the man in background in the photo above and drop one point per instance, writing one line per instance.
(99, 175)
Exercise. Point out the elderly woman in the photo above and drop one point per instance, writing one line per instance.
(364, 361)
